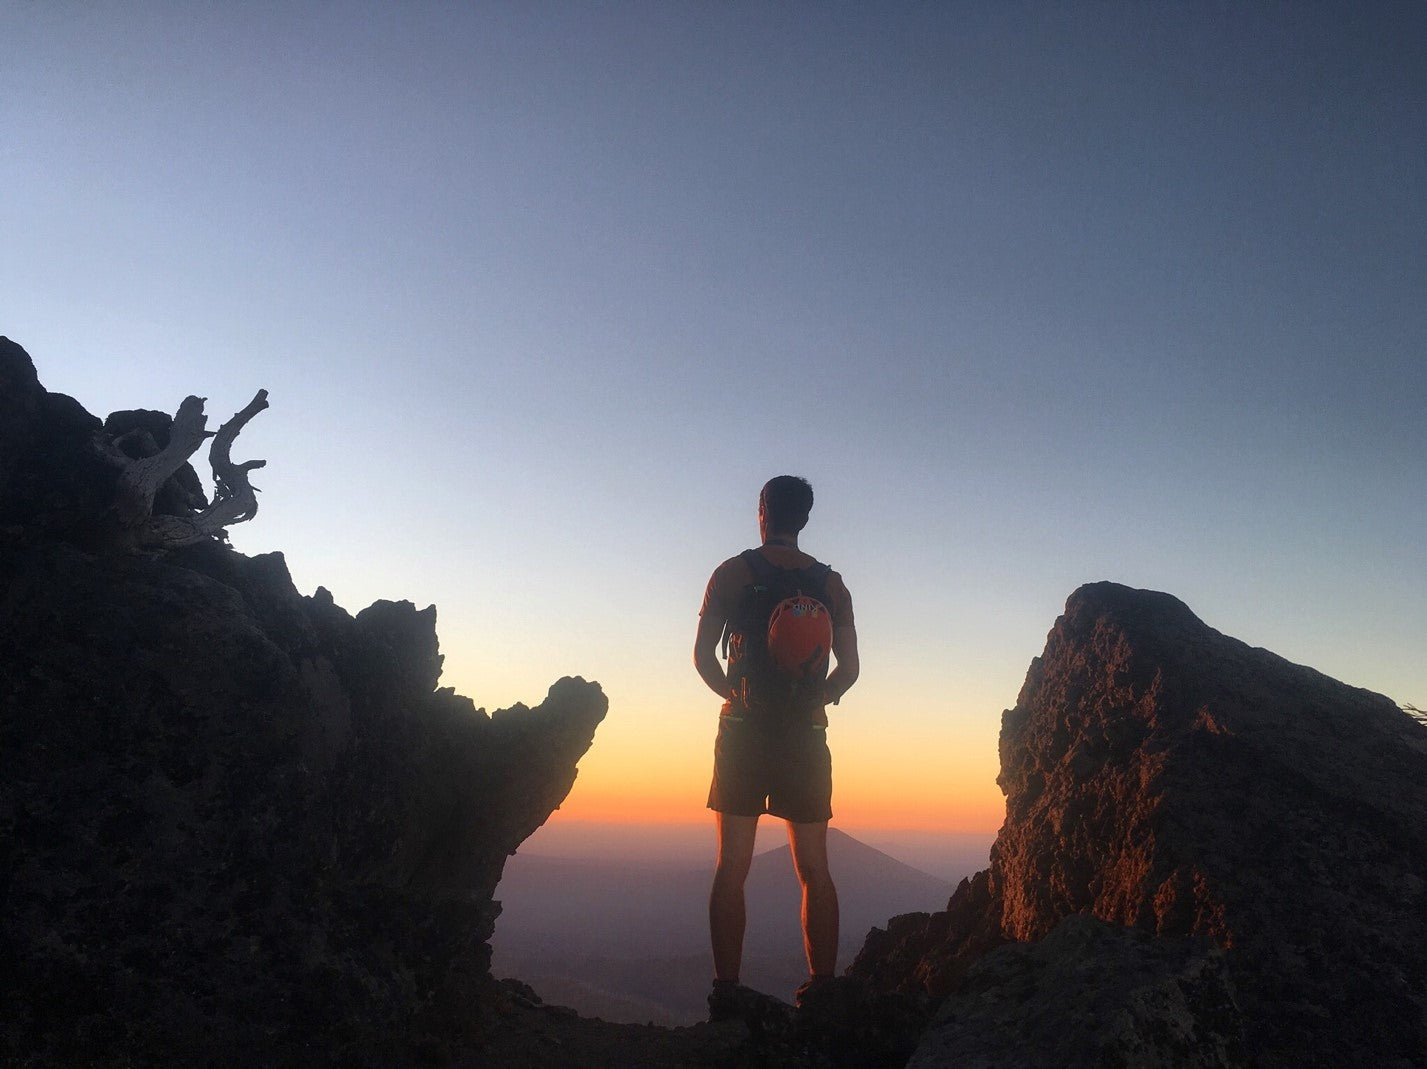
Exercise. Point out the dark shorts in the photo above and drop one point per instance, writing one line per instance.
(782, 770)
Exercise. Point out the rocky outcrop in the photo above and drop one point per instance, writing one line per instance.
(237, 825)
(1165, 778)
(1090, 994)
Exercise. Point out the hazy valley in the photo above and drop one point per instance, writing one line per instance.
(626, 938)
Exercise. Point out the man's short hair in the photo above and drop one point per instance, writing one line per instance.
(786, 501)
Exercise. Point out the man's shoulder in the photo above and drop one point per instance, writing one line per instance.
(738, 562)
(742, 565)
(840, 599)
(721, 593)
(731, 574)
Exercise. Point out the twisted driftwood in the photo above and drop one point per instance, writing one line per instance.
(234, 497)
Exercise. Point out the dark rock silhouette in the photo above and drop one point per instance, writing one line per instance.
(237, 825)
(240, 826)
(1268, 824)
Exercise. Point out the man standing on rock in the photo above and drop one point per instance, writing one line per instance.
(771, 754)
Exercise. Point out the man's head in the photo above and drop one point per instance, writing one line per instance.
(784, 504)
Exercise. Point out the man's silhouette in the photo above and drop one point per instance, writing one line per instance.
(771, 760)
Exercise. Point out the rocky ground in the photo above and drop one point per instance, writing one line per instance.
(850, 1027)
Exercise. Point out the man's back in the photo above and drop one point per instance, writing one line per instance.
(778, 635)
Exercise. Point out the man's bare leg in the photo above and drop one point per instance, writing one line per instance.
(736, 836)
(820, 910)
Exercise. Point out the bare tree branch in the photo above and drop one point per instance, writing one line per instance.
(140, 480)
(234, 497)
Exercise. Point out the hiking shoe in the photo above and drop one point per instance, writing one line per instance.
(729, 999)
(811, 989)
(827, 995)
(763, 1014)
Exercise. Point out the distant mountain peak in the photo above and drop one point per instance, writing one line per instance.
(846, 852)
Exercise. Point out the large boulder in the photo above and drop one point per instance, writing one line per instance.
(237, 825)
(1164, 777)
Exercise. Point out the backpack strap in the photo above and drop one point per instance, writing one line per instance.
(764, 570)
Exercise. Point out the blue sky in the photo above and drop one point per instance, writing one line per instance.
(1034, 294)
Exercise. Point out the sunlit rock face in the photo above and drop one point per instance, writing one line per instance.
(1163, 776)
(237, 825)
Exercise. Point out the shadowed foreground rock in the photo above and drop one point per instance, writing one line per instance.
(1267, 823)
(1121, 997)
(237, 825)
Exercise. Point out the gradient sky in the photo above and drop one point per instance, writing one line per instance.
(1034, 294)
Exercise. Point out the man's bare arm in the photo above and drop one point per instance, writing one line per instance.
(706, 660)
(847, 669)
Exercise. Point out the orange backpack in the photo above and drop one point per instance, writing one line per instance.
(779, 639)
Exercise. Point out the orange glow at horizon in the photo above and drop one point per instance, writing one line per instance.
(598, 799)
(652, 758)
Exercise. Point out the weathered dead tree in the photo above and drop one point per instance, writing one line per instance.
(234, 497)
